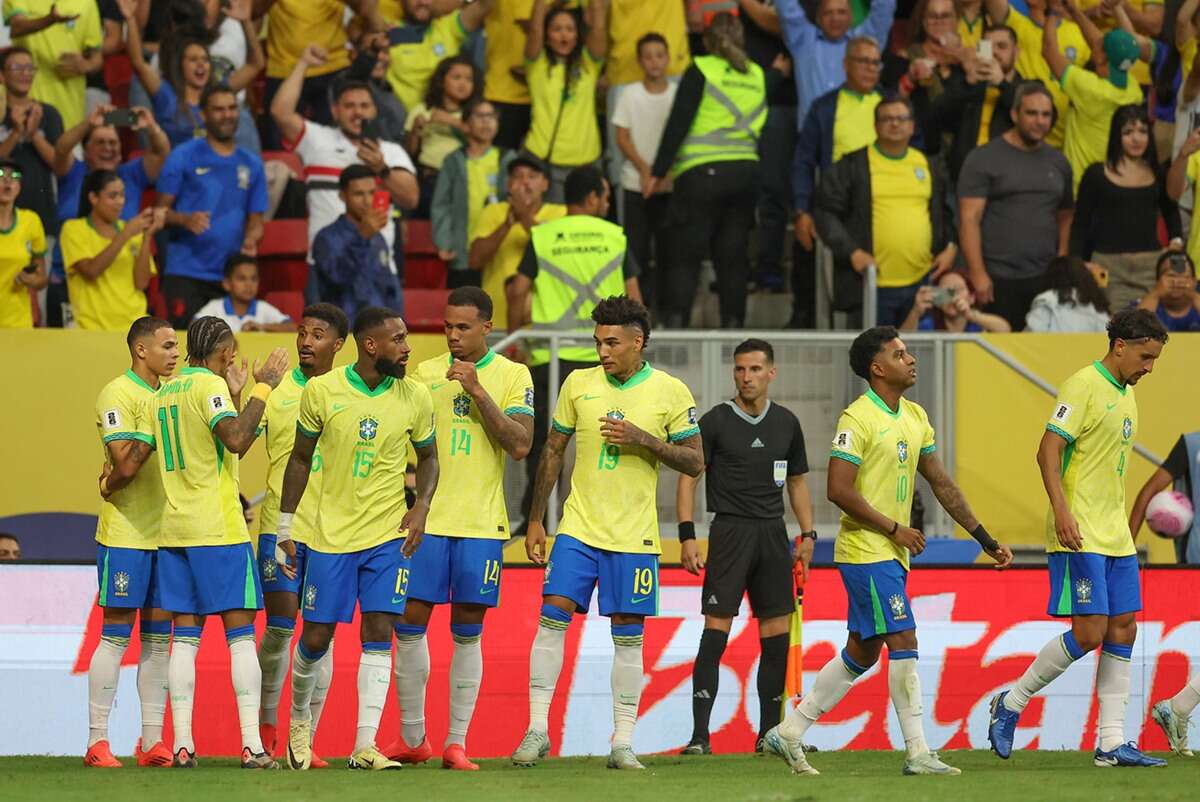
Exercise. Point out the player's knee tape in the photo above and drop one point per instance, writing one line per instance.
(1121, 651)
(281, 622)
(628, 634)
(554, 617)
(466, 633)
(310, 656)
(1071, 646)
(376, 647)
(234, 634)
(851, 666)
(189, 635)
(409, 631)
(118, 634)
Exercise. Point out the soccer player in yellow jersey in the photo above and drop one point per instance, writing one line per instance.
(629, 419)
(882, 441)
(1090, 552)
(364, 418)
(127, 537)
(322, 333)
(487, 403)
(205, 560)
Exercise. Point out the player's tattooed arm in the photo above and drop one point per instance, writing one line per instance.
(239, 433)
(841, 491)
(413, 523)
(686, 456)
(127, 458)
(544, 481)
(514, 433)
(947, 492)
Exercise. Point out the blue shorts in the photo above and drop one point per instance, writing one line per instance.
(465, 570)
(877, 598)
(1083, 583)
(377, 579)
(201, 580)
(127, 577)
(274, 580)
(628, 582)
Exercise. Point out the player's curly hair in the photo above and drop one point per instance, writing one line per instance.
(331, 314)
(867, 346)
(204, 336)
(621, 310)
(1135, 324)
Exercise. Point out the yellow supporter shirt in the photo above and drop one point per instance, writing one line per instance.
(613, 503)
(279, 424)
(75, 36)
(1097, 416)
(19, 245)
(629, 21)
(853, 122)
(483, 184)
(1093, 101)
(413, 63)
(506, 51)
(1141, 70)
(110, 302)
(1031, 65)
(886, 447)
(1193, 178)
(364, 435)
(577, 140)
(438, 140)
(970, 32)
(901, 231)
(470, 497)
(130, 518)
(508, 258)
(199, 476)
(293, 25)
(1187, 57)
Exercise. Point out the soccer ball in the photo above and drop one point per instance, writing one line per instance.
(1169, 514)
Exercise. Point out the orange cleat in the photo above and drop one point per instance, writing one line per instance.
(317, 763)
(100, 756)
(402, 752)
(267, 733)
(455, 757)
(158, 756)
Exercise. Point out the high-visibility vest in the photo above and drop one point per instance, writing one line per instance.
(580, 261)
(730, 117)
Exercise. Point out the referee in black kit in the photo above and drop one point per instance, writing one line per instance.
(752, 449)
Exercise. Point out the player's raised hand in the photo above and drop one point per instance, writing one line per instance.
(273, 369)
(465, 374)
(689, 556)
(909, 538)
(618, 431)
(412, 526)
(1067, 530)
(235, 377)
(1002, 555)
(535, 543)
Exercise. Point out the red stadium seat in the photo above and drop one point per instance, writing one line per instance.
(157, 301)
(419, 238)
(287, 157)
(425, 310)
(290, 302)
(423, 269)
(118, 74)
(284, 238)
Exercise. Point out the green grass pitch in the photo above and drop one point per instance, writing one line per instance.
(846, 777)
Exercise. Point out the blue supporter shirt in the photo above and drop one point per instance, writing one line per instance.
(179, 124)
(353, 272)
(1188, 322)
(227, 187)
(70, 187)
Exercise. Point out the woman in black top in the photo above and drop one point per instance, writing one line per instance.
(1118, 208)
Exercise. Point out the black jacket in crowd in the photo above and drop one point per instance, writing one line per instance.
(957, 111)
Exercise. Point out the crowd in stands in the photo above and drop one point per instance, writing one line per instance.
(1003, 165)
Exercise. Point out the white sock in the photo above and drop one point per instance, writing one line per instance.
(1054, 658)
(833, 682)
(904, 688)
(247, 690)
(545, 664)
(1112, 689)
(321, 689)
(273, 661)
(466, 674)
(1184, 702)
(181, 680)
(304, 681)
(152, 685)
(374, 676)
(627, 679)
(412, 674)
(103, 673)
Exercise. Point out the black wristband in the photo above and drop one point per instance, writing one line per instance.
(895, 526)
(984, 539)
(809, 535)
(687, 531)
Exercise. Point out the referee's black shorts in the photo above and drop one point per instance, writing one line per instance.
(751, 556)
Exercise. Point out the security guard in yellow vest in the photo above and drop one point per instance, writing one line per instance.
(710, 147)
(569, 265)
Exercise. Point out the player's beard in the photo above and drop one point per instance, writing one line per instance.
(389, 367)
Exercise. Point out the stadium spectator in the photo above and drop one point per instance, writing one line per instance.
(819, 51)
(326, 151)
(639, 120)
(64, 38)
(949, 305)
(240, 307)
(471, 178)
(1181, 468)
(1072, 300)
(504, 71)
(928, 62)
(370, 66)
(1118, 206)
(972, 23)
(563, 58)
(216, 193)
(10, 547)
(351, 257)
(885, 205)
(420, 44)
(28, 136)
(1187, 98)
(231, 50)
(1174, 298)
(1144, 17)
(1181, 185)
(108, 262)
(1015, 208)
(839, 122)
(435, 127)
(501, 233)
(22, 252)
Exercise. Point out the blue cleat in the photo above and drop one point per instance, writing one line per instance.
(1126, 754)
(1003, 727)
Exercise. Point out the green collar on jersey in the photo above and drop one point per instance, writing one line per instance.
(195, 369)
(637, 378)
(1104, 372)
(138, 380)
(879, 402)
(483, 362)
(358, 384)
(298, 377)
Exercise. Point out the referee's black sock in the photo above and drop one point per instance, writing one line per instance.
(772, 674)
(705, 676)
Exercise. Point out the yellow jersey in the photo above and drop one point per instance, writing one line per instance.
(506, 51)
(1093, 101)
(1031, 66)
(293, 25)
(75, 36)
(200, 484)
(886, 447)
(970, 32)
(19, 246)
(1097, 416)
(1193, 179)
(279, 424)
(129, 519)
(901, 231)
(470, 497)
(413, 63)
(571, 110)
(1141, 70)
(111, 301)
(504, 264)
(613, 503)
(853, 122)
(364, 436)
(629, 21)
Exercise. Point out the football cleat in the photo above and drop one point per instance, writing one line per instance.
(100, 756)
(299, 750)
(183, 759)
(159, 755)
(793, 752)
(1173, 725)
(622, 757)
(257, 760)
(696, 748)
(455, 757)
(402, 752)
(371, 759)
(269, 735)
(1126, 754)
(316, 762)
(1002, 727)
(533, 747)
(928, 763)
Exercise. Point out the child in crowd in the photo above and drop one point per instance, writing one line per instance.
(436, 128)
(240, 308)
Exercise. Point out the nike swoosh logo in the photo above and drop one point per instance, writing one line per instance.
(437, 385)
(1112, 761)
(1111, 406)
(486, 591)
(338, 407)
(289, 403)
(638, 601)
(884, 431)
(397, 599)
(590, 397)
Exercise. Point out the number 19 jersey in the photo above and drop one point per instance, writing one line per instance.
(130, 518)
